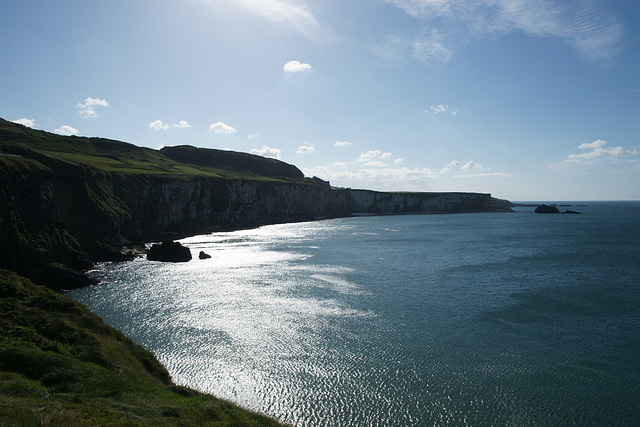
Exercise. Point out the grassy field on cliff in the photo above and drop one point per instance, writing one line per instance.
(122, 157)
(60, 364)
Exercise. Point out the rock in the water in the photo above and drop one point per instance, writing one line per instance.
(169, 251)
(204, 255)
(547, 209)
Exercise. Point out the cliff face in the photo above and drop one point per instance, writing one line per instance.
(166, 207)
(58, 216)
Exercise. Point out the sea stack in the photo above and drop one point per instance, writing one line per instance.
(169, 251)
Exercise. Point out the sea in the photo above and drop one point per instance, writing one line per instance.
(483, 319)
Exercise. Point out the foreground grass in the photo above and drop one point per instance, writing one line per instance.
(60, 364)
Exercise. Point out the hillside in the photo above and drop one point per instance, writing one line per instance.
(121, 157)
(61, 365)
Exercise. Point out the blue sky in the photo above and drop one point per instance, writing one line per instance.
(527, 100)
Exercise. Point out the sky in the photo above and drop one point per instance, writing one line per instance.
(525, 99)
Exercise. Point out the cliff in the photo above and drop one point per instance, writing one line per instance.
(66, 202)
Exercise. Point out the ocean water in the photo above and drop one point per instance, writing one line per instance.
(506, 319)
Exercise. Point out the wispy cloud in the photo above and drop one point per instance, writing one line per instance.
(342, 144)
(441, 108)
(471, 166)
(267, 152)
(373, 154)
(222, 128)
(588, 26)
(296, 67)
(66, 130)
(485, 175)
(31, 123)
(86, 108)
(432, 48)
(598, 150)
(293, 14)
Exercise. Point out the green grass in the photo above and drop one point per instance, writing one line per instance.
(60, 364)
(113, 156)
(156, 166)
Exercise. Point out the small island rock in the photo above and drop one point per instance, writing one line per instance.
(204, 255)
(169, 251)
(547, 209)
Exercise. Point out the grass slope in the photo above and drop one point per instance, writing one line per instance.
(60, 364)
(122, 157)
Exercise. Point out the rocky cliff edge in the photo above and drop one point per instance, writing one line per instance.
(66, 202)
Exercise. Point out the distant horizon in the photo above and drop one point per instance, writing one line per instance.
(529, 99)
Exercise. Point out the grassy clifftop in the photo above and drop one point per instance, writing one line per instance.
(117, 156)
(60, 364)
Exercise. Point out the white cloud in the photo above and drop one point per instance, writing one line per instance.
(599, 151)
(373, 154)
(398, 161)
(485, 175)
(440, 108)
(26, 122)
(253, 136)
(369, 171)
(66, 130)
(471, 166)
(296, 67)
(182, 124)
(86, 108)
(594, 144)
(158, 125)
(342, 143)
(375, 164)
(267, 152)
(222, 128)
(588, 26)
(449, 166)
(304, 149)
(378, 178)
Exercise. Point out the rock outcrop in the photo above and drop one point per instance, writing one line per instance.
(547, 209)
(169, 251)
(551, 209)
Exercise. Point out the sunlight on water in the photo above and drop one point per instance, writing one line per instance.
(398, 321)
